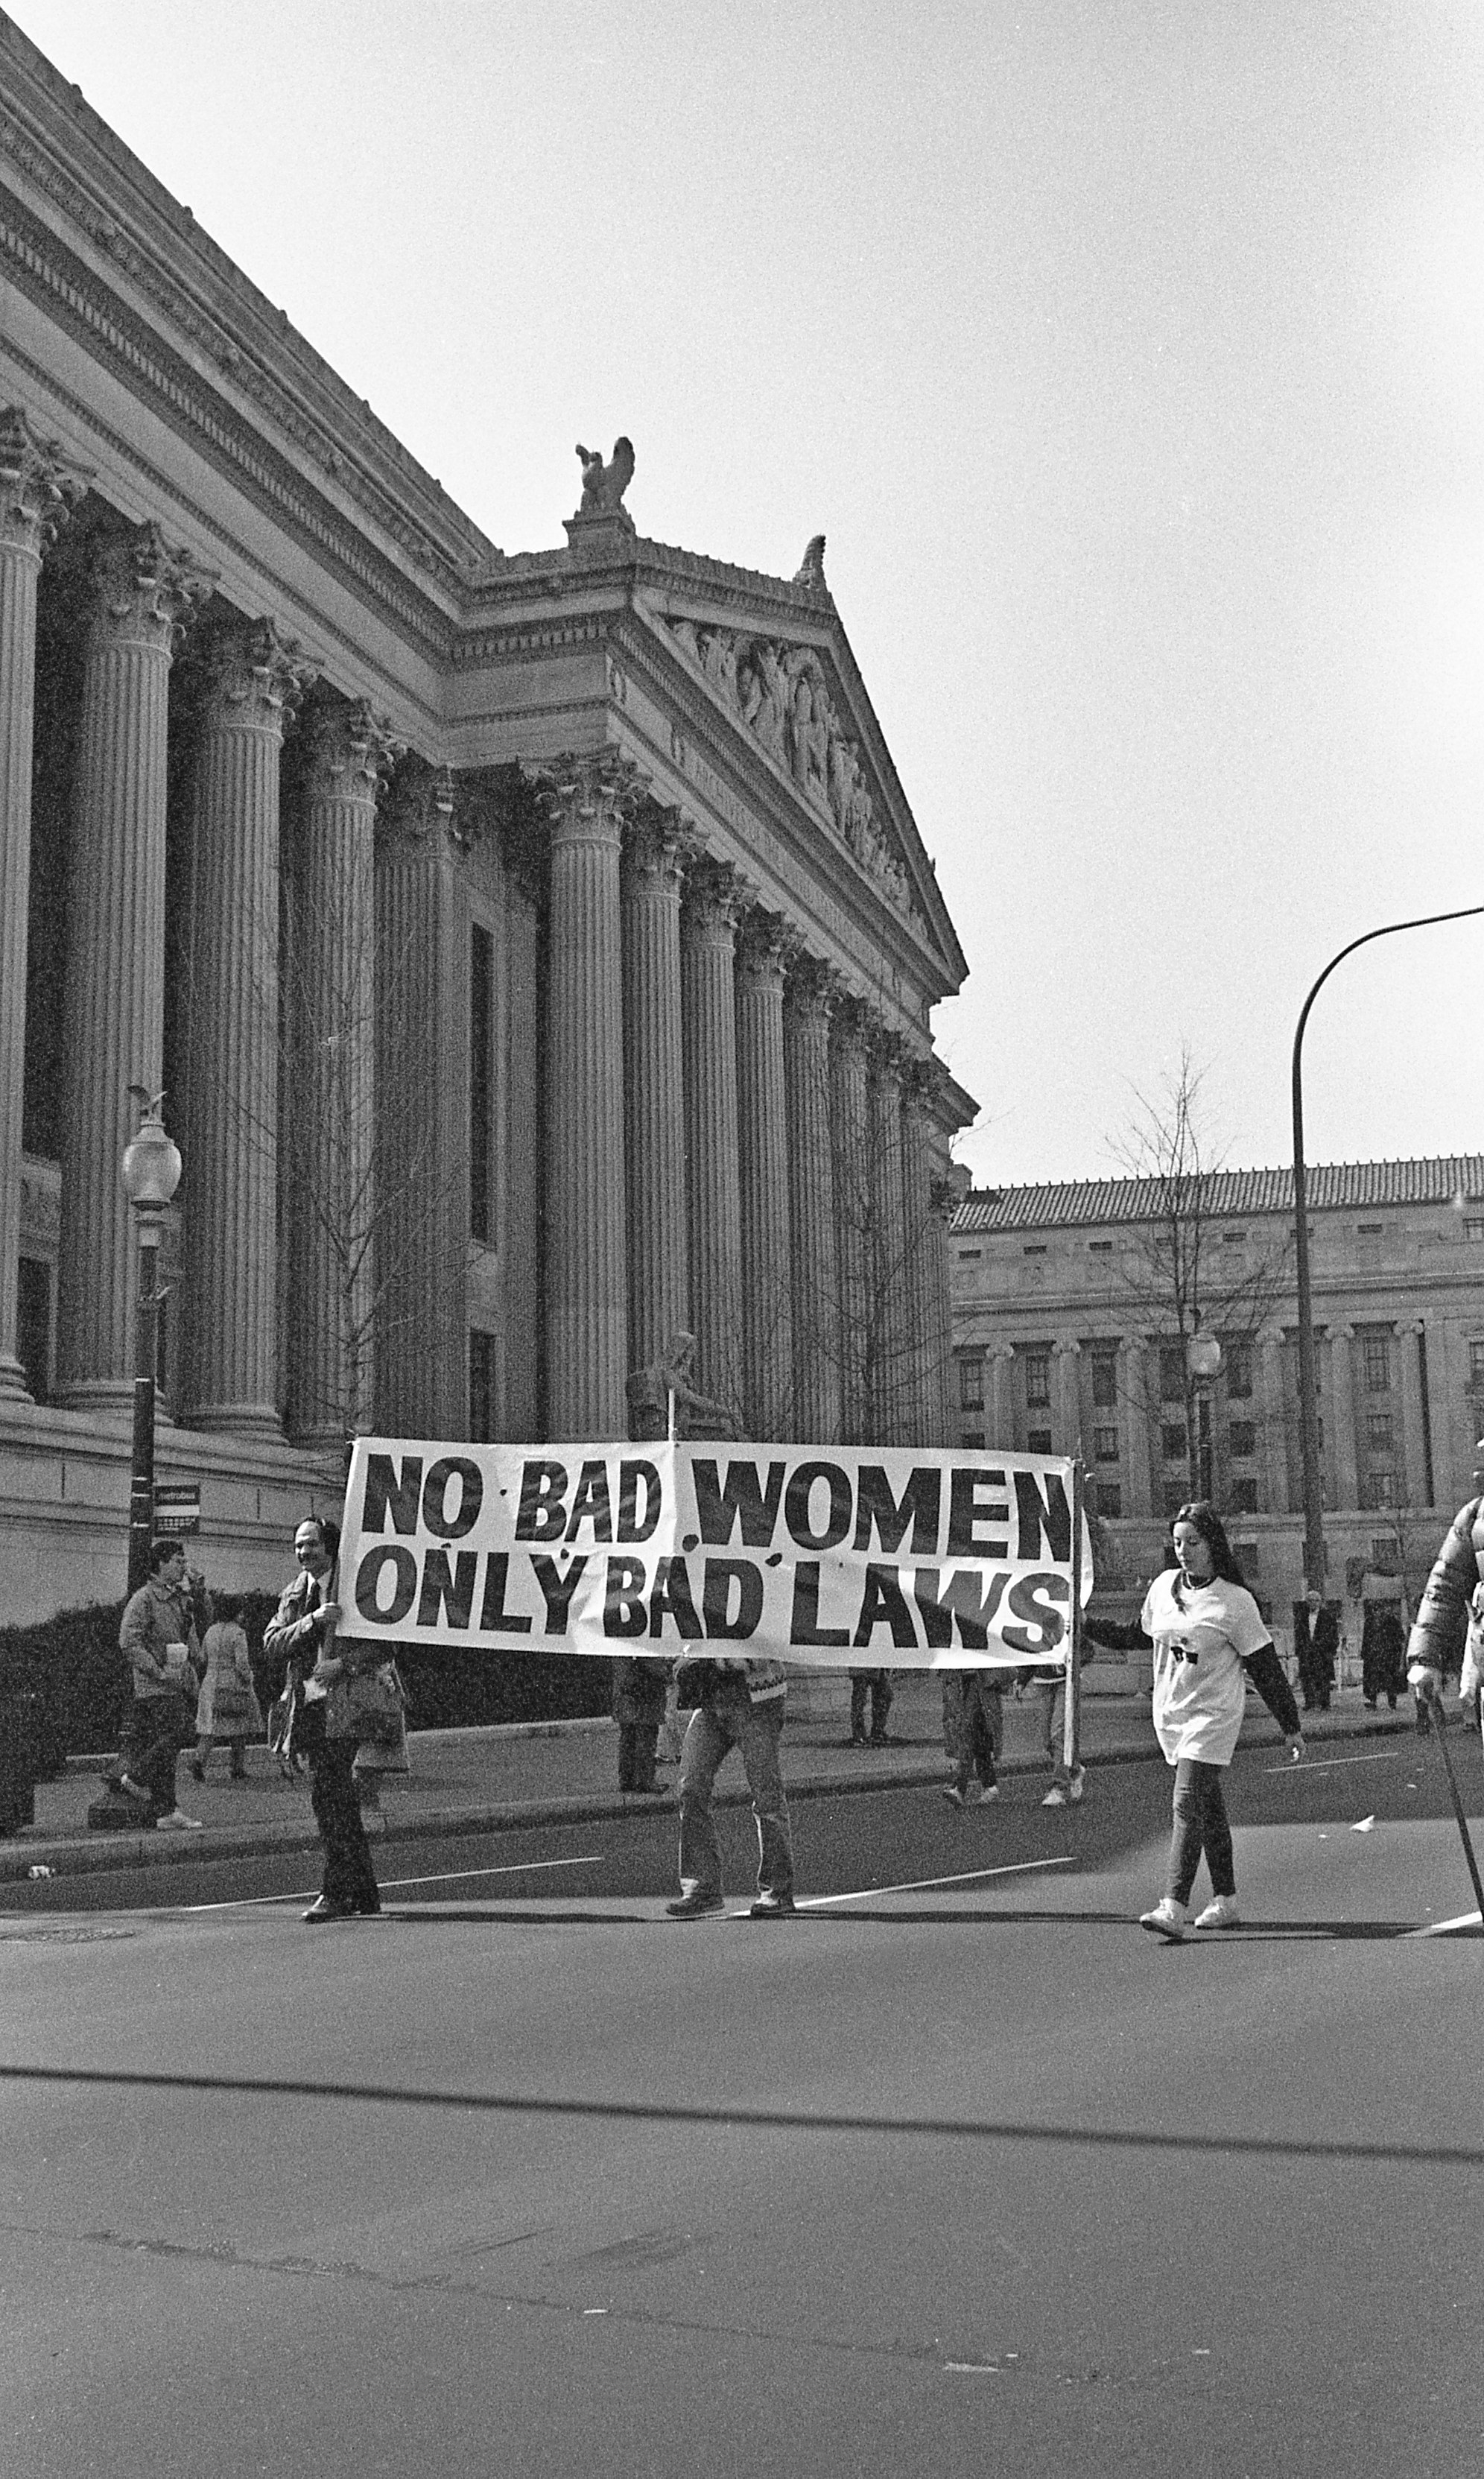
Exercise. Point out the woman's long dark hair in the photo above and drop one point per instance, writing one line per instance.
(1202, 1517)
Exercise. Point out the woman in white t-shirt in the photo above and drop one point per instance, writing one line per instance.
(1209, 1638)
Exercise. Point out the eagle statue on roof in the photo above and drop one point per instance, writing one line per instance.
(603, 485)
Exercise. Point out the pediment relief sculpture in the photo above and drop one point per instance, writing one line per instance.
(781, 694)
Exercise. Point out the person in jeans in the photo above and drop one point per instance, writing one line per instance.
(980, 1736)
(740, 1705)
(1209, 1637)
(873, 1687)
(156, 1637)
(1046, 1689)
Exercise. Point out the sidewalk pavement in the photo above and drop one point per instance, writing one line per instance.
(527, 1774)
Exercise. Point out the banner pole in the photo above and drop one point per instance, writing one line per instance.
(1071, 1748)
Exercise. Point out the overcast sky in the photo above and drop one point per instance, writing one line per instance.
(1129, 352)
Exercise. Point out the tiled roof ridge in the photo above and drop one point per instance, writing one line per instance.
(1434, 1179)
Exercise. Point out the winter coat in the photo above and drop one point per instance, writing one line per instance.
(228, 1707)
(157, 1615)
(1442, 1621)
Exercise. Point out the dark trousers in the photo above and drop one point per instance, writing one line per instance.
(349, 1878)
(875, 1684)
(155, 1726)
(637, 1748)
(1200, 1828)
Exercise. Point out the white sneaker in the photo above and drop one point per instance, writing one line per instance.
(989, 1790)
(1167, 1919)
(177, 1821)
(1222, 1913)
(1055, 1797)
(953, 1794)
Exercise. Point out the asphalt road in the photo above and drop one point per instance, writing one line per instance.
(959, 2171)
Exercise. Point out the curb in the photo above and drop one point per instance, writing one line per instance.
(119, 1852)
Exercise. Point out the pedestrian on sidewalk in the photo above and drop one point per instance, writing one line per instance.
(1207, 1637)
(639, 1685)
(738, 1705)
(227, 1712)
(873, 1687)
(301, 1634)
(157, 1637)
(1448, 1629)
(980, 1736)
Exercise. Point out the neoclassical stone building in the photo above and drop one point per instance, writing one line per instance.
(536, 953)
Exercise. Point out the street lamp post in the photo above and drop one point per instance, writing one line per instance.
(1203, 1364)
(151, 1175)
(1316, 1556)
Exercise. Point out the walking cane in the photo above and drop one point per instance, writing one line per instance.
(1434, 1711)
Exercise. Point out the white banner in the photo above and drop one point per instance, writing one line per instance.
(832, 1557)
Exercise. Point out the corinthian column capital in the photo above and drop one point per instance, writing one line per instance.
(145, 590)
(763, 946)
(716, 898)
(255, 678)
(350, 750)
(655, 849)
(39, 487)
(811, 986)
(424, 809)
(589, 797)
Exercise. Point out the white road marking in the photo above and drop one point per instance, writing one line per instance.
(398, 1884)
(1328, 1764)
(1441, 1928)
(925, 1884)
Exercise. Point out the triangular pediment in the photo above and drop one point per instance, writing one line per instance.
(782, 675)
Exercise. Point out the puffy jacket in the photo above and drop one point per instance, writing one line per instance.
(1442, 1621)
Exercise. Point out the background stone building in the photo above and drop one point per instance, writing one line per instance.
(536, 953)
(1066, 1339)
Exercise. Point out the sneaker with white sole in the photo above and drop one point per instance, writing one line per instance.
(953, 1794)
(1167, 1919)
(178, 1821)
(989, 1790)
(1222, 1913)
(1055, 1797)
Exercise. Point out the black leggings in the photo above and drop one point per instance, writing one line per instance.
(1201, 1826)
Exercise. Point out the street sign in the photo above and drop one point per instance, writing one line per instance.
(177, 1506)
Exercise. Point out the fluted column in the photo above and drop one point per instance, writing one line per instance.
(853, 1214)
(655, 1085)
(587, 1277)
(1068, 1397)
(1273, 1427)
(229, 1305)
(762, 1160)
(37, 493)
(1136, 1433)
(1342, 1456)
(812, 1252)
(1412, 1461)
(427, 822)
(328, 1147)
(1000, 1396)
(919, 1238)
(708, 923)
(944, 1410)
(888, 1355)
(114, 1010)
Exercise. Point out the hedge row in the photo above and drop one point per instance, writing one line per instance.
(63, 1682)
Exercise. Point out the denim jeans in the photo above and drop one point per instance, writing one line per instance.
(155, 1730)
(1051, 1696)
(1200, 1825)
(727, 1719)
(980, 1732)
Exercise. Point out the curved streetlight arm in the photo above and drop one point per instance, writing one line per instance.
(1308, 1429)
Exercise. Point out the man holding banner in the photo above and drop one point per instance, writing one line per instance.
(740, 1704)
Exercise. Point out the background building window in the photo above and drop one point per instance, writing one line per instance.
(1245, 1555)
(1378, 1432)
(1243, 1498)
(1105, 1445)
(1037, 1380)
(1243, 1438)
(481, 1033)
(968, 1256)
(1104, 1247)
(1476, 1368)
(1473, 1227)
(1239, 1372)
(1385, 1556)
(1380, 1488)
(1035, 1248)
(1105, 1380)
(1038, 1443)
(971, 1382)
(1171, 1373)
(1174, 1445)
(1110, 1498)
(1376, 1349)
(974, 1439)
(481, 1386)
(1175, 1495)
